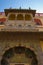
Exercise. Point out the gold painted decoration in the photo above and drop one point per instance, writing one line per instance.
(28, 17)
(20, 17)
(11, 17)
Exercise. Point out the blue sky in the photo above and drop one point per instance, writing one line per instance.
(34, 4)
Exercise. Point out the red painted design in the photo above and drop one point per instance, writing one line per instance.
(2, 19)
(38, 21)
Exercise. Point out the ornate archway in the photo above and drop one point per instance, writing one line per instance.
(11, 16)
(20, 17)
(19, 54)
(28, 17)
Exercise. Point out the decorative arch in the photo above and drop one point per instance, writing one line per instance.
(11, 16)
(20, 17)
(19, 50)
(2, 20)
(38, 21)
(28, 17)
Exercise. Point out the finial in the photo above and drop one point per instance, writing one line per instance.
(29, 8)
(10, 8)
(20, 7)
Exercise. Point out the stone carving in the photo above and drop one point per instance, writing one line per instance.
(29, 54)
